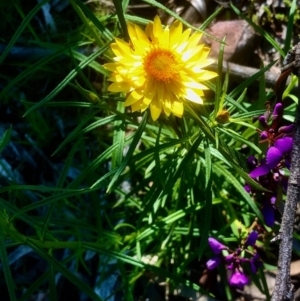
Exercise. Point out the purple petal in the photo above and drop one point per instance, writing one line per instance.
(278, 111)
(255, 263)
(213, 263)
(269, 215)
(216, 246)
(286, 129)
(252, 162)
(238, 280)
(284, 144)
(260, 170)
(229, 258)
(274, 156)
(251, 240)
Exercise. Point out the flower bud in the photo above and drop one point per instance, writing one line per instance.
(216, 246)
(251, 239)
(213, 263)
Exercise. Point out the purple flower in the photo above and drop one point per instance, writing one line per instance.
(287, 129)
(255, 263)
(238, 280)
(251, 240)
(213, 263)
(268, 213)
(262, 121)
(216, 246)
(252, 162)
(275, 153)
(264, 135)
(260, 170)
(277, 112)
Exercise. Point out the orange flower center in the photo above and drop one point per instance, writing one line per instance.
(162, 65)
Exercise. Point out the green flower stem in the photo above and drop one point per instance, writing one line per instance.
(6, 269)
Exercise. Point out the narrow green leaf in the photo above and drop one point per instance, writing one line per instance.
(232, 179)
(262, 32)
(118, 138)
(131, 149)
(79, 131)
(234, 135)
(65, 272)
(238, 90)
(120, 14)
(206, 223)
(21, 28)
(290, 26)
(5, 139)
(67, 79)
(6, 269)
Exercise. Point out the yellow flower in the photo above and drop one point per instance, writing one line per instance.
(160, 68)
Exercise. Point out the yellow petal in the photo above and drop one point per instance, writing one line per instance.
(133, 97)
(167, 105)
(131, 31)
(110, 66)
(203, 63)
(191, 52)
(136, 106)
(155, 109)
(165, 38)
(175, 32)
(177, 108)
(119, 87)
(191, 95)
(149, 31)
(194, 39)
(140, 34)
(149, 94)
(123, 46)
(207, 75)
(157, 29)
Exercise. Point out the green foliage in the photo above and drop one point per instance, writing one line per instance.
(110, 188)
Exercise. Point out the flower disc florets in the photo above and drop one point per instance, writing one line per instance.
(160, 68)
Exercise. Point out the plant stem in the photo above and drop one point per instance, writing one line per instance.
(283, 288)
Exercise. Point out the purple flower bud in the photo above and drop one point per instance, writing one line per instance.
(286, 129)
(255, 263)
(213, 263)
(278, 111)
(251, 240)
(268, 214)
(273, 200)
(238, 280)
(264, 135)
(216, 246)
(262, 121)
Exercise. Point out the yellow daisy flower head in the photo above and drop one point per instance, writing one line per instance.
(160, 68)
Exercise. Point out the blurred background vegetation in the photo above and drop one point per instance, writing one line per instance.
(98, 203)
